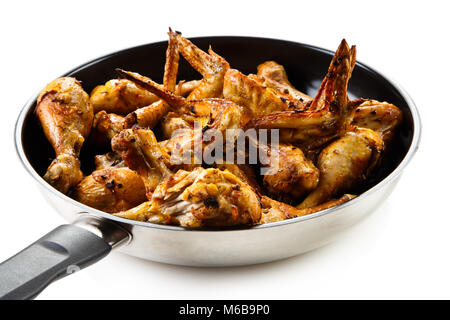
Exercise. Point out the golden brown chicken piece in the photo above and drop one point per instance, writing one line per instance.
(327, 115)
(275, 77)
(180, 150)
(292, 175)
(212, 116)
(327, 146)
(66, 115)
(184, 88)
(211, 66)
(254, 96)
(111, 190)
(189, 148)
(297, 176)
(244, 172)
(201, 198)
(141, 152)
(120, 96)
(172, 123)
(274, 211)
(381, 117)
(105, 127)
(150, 115)
(217, 114)
(345, 163)
(172, 63)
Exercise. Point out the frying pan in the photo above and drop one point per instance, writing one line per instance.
(91, 234)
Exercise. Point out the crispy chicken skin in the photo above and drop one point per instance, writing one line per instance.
(141, 152)
(381, 117)
(149, 116)
(216, 113)
(210, 65)
(255, 97)
(274, 211)
(108, 160)
(326, 117)
(200, 198)
(111, 190)
(66, 115)
(184, 88)
(345, 163)
(120, 96)
(274, 76)
(107, 125)
(292, 176)
(296, 175)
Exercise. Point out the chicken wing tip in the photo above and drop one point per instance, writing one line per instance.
(120, 71)
(344, 45)
(125, 74)
(173, 32)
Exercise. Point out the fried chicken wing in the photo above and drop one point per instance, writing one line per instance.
(210, 65)
(184, 88)
(201, 198)
(216, 113)
(111, 190)
(309, 130)
(150, 115)
(275, 77)
(327, 115)
(254, 96)
(345, 163)
(66, 116)
(109, 124)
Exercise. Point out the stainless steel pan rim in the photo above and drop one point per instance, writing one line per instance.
(83, 208)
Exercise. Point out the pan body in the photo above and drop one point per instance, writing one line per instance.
(236, 247)
(306, 65)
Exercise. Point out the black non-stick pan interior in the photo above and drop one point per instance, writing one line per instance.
(305, 65)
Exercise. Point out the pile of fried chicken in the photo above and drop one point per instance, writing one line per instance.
(328, 144)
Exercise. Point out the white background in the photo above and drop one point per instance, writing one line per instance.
(400, 251)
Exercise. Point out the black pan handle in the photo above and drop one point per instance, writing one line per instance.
(63, 251)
